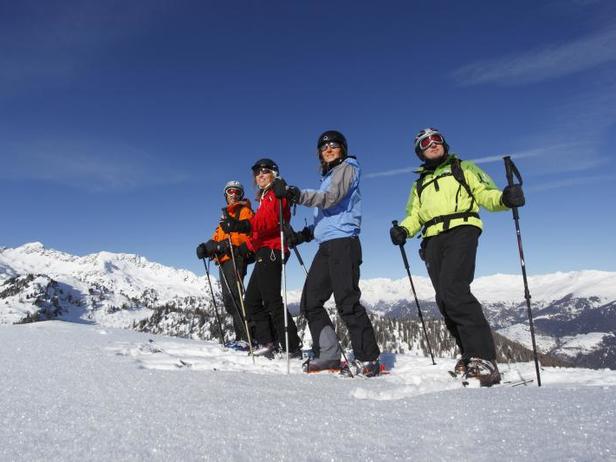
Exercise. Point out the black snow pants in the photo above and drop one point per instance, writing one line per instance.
(335, 269)
(264, 302)
(450, 260)
(231, 299)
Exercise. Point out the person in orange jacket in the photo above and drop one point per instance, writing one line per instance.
(239, 208)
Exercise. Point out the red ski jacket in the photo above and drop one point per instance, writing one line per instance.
(265, 224)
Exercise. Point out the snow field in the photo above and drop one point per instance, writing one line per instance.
(80, 392)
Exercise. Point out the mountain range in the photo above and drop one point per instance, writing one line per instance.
(574, 312)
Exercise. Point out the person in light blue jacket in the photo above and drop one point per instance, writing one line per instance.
(335, 268)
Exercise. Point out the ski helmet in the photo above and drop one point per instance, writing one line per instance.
(333, 135)
(234, 184)
(265, 163)
(425, 133)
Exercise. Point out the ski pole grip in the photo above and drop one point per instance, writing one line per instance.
(402, 252)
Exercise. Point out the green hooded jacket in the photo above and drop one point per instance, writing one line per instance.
(442, 196)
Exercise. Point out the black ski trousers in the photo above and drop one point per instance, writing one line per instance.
(264, 302)
(231, 299)
(335, 269)
(450, 259)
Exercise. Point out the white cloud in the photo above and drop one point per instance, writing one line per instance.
(543, 63)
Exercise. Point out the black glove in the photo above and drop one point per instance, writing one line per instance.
(202, 251)
(243, 250)
(513, 196)
(217, 247)
(293, 239)
(398, 235)
(279, 186)
(231, 225)
(293, 194)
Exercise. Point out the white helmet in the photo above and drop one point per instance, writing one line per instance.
(234, 184)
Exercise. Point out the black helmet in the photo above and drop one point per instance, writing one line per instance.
(265, 163)
(333, 135)
(426, 133)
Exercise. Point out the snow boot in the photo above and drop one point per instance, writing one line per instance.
(267, 351)
(369, 368)
(460, 367)
(486, 372)
(318, 365)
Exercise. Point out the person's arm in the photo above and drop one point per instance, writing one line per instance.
(411, 222)
(483, 187)
(342, 179)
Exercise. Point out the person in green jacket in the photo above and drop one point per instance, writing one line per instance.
(444, 205)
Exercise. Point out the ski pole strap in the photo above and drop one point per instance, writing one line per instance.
(511, 170)
(446, 219)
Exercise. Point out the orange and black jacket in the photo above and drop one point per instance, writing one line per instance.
(240, 211)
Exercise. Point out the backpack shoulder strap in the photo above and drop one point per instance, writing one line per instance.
(458, 174)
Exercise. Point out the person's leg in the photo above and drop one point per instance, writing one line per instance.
(231, 299)
(433, 257)
(270, 286)
(344, 260)
(462, 308)
(317, 290)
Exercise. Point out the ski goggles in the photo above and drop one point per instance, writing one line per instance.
(331, 145)
(262, 170)
(233, 192)
(425, 143)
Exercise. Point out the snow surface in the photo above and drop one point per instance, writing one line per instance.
(83, 392)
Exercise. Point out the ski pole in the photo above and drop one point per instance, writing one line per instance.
(510, 171)
(224, 278)
(284, 285)
(408, 271)
(301, 262)
(207, 272)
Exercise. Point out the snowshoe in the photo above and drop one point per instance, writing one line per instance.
(484, 371)
(311, 366)
(366, 368)
(460, 368)
(238, 345)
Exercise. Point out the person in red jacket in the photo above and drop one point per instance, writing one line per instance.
(230, 274)
(263, 299)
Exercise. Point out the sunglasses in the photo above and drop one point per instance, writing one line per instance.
(262, 170)
(233, 192)
(331, 145)
(425, 143)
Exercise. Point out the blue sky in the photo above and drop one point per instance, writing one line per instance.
(120, 122)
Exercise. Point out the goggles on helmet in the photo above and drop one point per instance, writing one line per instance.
(262, 170)
(425, 143)
(233, 192)
(331, 145)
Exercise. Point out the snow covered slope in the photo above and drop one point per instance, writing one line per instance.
(73, 392)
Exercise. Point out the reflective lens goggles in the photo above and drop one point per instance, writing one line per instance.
(262, 170)
(425, 143)
(233, 192)
(331, 145)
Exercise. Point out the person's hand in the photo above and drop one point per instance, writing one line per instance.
(231, 225)
(513, 196)
(217, 247)
(293, 194)
(279, 186)
(293, 239)
(243, 250)
(398, 235)
(202, 251)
